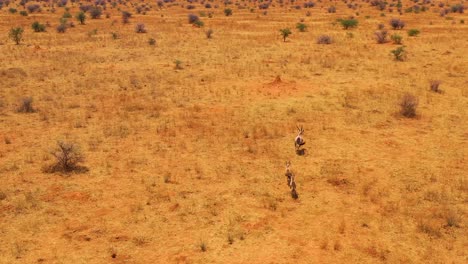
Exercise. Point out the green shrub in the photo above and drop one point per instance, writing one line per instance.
(396, 39)
(285, 32)
(38, 27)
(349, 23)
(301, 27)
(12, 10)
(413, 32)
(23, 13)
(198, 23)
(228, 12)
(81, 17)
(399, 53)
(16, 34)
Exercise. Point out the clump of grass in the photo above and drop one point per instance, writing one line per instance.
(408, 105)
(151, 41)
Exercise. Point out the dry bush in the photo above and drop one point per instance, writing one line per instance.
(434, 84)
(408, 105)
(68, 158)
(26, 105)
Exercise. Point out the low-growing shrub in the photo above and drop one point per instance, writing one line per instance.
(23, 13)
(81, 17)
(397, 39)
(397, 23)
(198, 23)
(26, 105)
(381, 36)
(324, 39)
(68, 158)
(413, 32)
(33, 8)
(301, 27)
(126, 17)
(399, 53)
(408, 105)
(331, 9)
(38, 27)
(152, 42)
(62, 28)
(140, 28)
(95, 12)
(228, 12)
(193, 18)
(349, 23)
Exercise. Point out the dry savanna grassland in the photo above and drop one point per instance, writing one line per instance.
(158, 131)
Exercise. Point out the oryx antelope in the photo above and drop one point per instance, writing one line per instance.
(291, 180)
(299, 140)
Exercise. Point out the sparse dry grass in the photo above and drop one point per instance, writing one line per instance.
(193, 156)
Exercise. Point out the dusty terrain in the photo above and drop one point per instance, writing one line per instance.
(187, 165)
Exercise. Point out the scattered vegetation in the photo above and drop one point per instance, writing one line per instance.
(209, 33)
(140, 28)
(381, 36)
(397, 39)
(397, 23)
(434, 85)
(81, 17)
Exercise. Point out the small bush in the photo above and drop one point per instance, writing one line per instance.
(26, 105)
(228, 12)
(397, 39)
(16, 34)
(81, 17)
(349, 23)
(301, 27)
(152, 42)
(23, 13)
(38, 27)
(95, 12)
(209, 33)
(203, 246)
(408, 105)
(193, 18)
(381, 36)
(178, 65)
(62, 28)
(126, 16)
(413, 32)
(67, 15)
(331, 9)
(12, 10)
(285, 32)
(397, 23)
(399, 53)
(324, 39)
(140, 28)
(199, 23)
(68, 158)
(33, 8)
(434, 84)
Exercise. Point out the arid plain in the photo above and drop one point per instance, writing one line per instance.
(185, 137)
